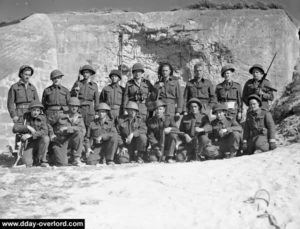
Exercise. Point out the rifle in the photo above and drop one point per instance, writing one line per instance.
(177, 132)
(21, 150)
(265, 76)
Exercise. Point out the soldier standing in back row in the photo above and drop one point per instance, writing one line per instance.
(87, 92)
(139, 90)
(20, 95)
(168, 90)
(230, 93)
(55, 97)
(252, 87)
(200, 88)
(112, 94)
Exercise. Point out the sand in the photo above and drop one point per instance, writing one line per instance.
(210, 194)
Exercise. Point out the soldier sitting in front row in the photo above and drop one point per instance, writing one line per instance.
(34, 132)
(196, 127)
(259, 131)
(226, 133)
(161, 138)
(69, 131)
(101, 138)
(132, 130)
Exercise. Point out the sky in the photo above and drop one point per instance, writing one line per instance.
(16, 9)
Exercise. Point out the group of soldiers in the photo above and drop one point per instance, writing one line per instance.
(141, 122)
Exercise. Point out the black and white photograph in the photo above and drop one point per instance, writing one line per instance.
(135, 114)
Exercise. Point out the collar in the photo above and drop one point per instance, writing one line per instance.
(56, 86)
(22, 83)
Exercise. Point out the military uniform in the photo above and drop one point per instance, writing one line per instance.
(259, 130)
(55, 100)
(137, 126)
(201, 89)
(170, 93)
(230, 142)
(195, 148)
(87, 93)
(113, 96)
(37, 146)
(251, 87)
(70, 132)
(230, 94)
(140, 94)
(19, 98)
(160, 140)
(106, 149)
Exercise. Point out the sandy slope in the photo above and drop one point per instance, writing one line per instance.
(191, 195)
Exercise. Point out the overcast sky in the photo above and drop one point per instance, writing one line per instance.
(15, 9)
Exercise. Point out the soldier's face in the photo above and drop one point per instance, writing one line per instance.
(137, 74)
(194, 108)
(199, 72)
(114, 79)
(57, 80)
(257, 74)
(160, 111)
(25, 75)
(35, 112)
(73, 109)
(102, 114)
(254, 104)
(86, 74)
(131, 113)
(220, 115)
(166, 71)
(227, 75)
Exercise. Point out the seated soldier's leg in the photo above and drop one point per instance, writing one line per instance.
(170, 144)
(139, 143)
(261, 144)
(59, 151)
(27, 157)
(76, 145)
(203, 142)
(123, 156)
(183, 152)
(109, 149)
(94, 158)
(250, 146)
(231, 144)
(42, 149)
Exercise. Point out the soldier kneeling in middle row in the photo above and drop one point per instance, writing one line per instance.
(161, 134)
(226, 133)
(132, 130)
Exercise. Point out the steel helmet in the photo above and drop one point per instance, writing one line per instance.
(116, 73)
(87, 67)
(74, 101)
(219, 107)
(226, 68)
(35, 104)
(132, 105)
(138, 67)
(258, 66)
(254, 96)
(102, 106)
(56, 73)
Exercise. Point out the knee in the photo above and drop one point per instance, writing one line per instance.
(142, 138)
(181, 155)
(45, 139)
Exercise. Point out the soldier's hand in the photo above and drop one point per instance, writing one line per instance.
(222, 132)
(129, 138)
(15, 119)
(31, 129)
(185, 113)
(168, 130)
(123, 151)
(239, 116)
(62, 129)
(187, 138)
(25, 137)
(89, 151)
(199, 130)
(96, 116)
(125, 112)
(259, 91)
(52, 137)
(98, 140)
(161, 84)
